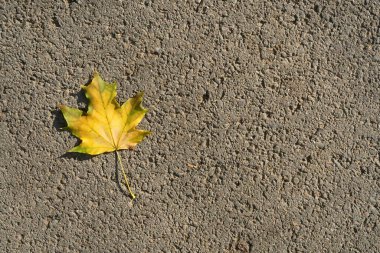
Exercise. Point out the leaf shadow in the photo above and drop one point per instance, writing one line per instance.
(60, 124)
(59, 121)
(82, 99)
(77, 156)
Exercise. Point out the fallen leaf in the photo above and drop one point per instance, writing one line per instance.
(107, 126)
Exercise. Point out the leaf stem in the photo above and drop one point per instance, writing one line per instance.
(125, 176)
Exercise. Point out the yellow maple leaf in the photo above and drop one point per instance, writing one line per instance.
(106, 126)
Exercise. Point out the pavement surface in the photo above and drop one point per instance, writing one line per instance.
(265, 118)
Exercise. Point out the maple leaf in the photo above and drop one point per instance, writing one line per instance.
(107, 126)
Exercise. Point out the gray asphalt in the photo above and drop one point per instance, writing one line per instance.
(265, 118)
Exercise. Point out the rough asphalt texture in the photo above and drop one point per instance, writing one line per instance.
(266, 121)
